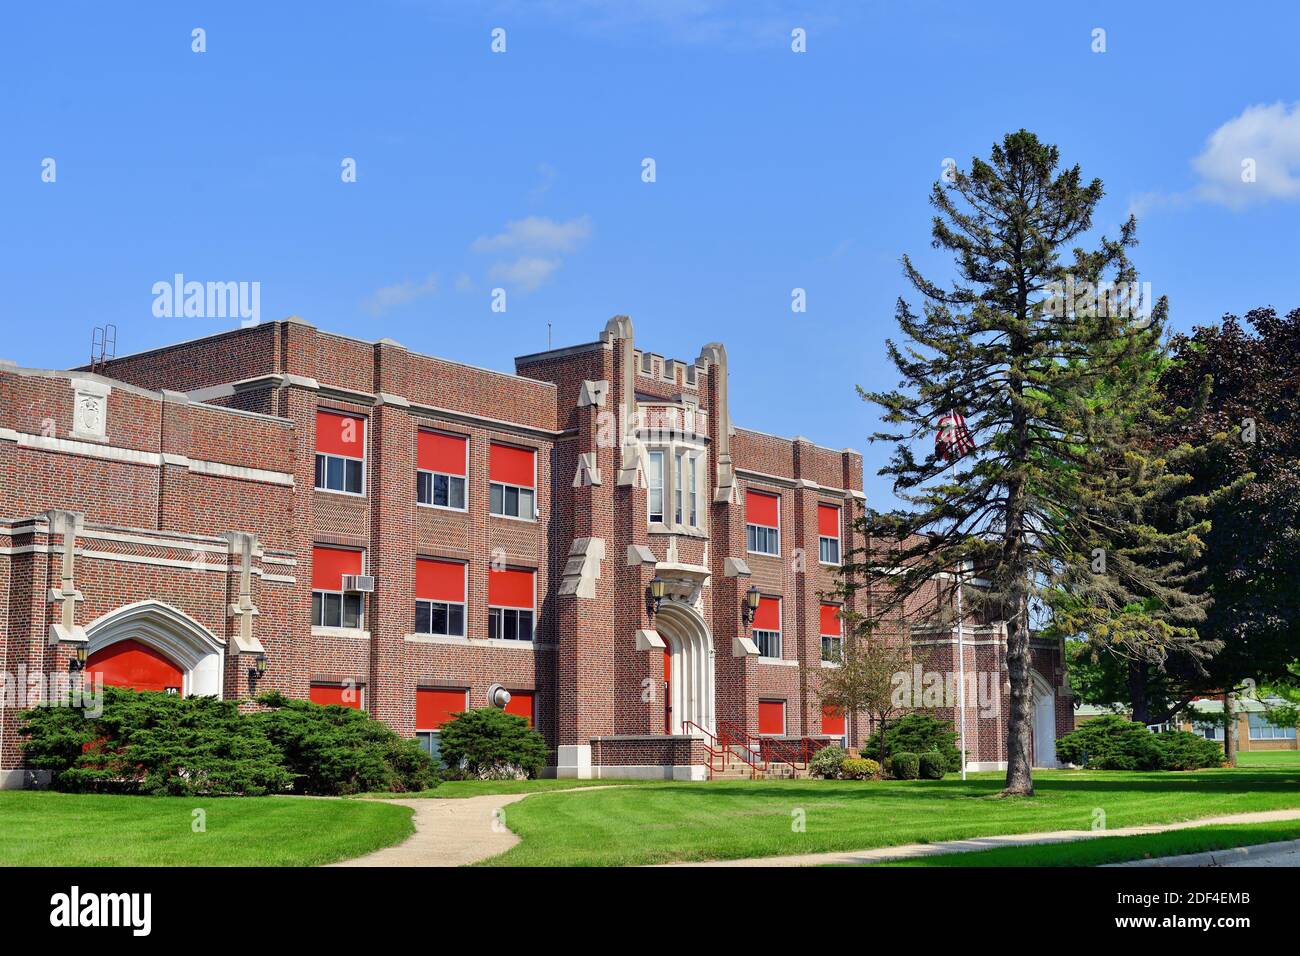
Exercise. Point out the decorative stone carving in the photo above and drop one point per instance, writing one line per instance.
(588, 472)
(242, 548)
(67, 524)
(593, 393)
(582, 569)
(90, 410)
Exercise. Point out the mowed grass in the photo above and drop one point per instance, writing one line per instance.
(459, 789)
(43, 828)
(671, 822)
(1096, 852)
(1269, 758)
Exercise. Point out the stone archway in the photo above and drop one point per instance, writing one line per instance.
(1044, 697)
(196, 651)
(691, 683)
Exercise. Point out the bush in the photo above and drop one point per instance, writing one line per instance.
(857, 768)
(1110, 742)
(339, 750)
(154, 743)
(918, 734)
(932, 765)
(828, 762)
(1180, 750)
(489, 744)
(906, 766)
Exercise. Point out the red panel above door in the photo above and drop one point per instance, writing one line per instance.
(336, 694)
(137, 666)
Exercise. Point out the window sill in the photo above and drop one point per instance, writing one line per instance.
(832, 664)
(470, 641)
(777, 661)
(354, 632)
(342, 494)
(457, 511)
(684, 530)
(765, 554)
(532, 520)
(831, 564)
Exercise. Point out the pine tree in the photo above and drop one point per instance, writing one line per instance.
(1036, 343)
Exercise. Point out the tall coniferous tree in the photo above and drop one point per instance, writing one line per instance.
(1020, 343)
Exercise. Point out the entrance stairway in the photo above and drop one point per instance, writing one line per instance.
(734, 754)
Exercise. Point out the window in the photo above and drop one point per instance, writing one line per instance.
(767, 627)
(832, 721)
(512, 475)
(1211, 731)
(1261, 729)
(340, 452)
(684, 490)
(435, 706)
(771, 718)
(342, 695)
(510, 604)
(655, 490)
(441, 465)
(762, 522)
(440, 597)
(331, 606)
(522, 704)
(832, 633)
(828, 534)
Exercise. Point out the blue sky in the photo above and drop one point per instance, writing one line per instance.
(522, 170)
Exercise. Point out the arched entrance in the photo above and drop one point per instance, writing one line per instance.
(689, 666)
(1044, 726)
(153, 646)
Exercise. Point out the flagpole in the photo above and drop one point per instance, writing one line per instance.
(961, 652)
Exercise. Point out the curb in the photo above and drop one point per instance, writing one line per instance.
(1218, 857)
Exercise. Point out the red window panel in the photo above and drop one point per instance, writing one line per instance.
(768, 615)
(441, 453)
(771, 717)
(510, 588)
(831, 624)
(510, 465)
(762, 509)
(832, 721)
(828, 521)
(435, 707)
(440, 580)
(345, 695)
(521, 705)
(328, 565)
(135, 665)
(339, 434)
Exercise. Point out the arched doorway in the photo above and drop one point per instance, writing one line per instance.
(689, 666)
(1044, 726)
(153, 646)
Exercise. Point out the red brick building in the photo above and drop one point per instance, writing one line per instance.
(412, 535)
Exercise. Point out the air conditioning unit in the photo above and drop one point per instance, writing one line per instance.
(365, 583)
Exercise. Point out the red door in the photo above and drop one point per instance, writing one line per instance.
(668, 691)
(137, 666)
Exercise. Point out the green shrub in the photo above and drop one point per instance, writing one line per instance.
(906, 766)
(932, 766)
(918, 734)
(154, 743)
(859, 768)
(828, 762)
(1110, 742)
(1180, 750)
(340, 750)
(489, 744)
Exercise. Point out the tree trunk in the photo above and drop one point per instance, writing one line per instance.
(1229, 730)
(1137, 691)
(1020, 780)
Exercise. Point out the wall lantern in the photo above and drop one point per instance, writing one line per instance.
(258, 669)
(752, 597)
(657, 587)
(78, 659)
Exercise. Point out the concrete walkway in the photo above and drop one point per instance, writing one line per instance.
(1284, 854)
(914, 850)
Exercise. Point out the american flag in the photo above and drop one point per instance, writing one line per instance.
(953, 440)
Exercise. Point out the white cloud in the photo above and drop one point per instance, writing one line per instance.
(392, 296)
(1267, 135)
(536, 247)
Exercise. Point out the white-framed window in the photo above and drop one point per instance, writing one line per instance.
(767, 626)
(512, 478)
(331, 606)
(510, 624)
(762, 522)
(340, 453)
(828, 534)
(429, 743)
(686, 490)
(769, 643)
(832, 634)
(442, 464)
(511, 599)
(440, 491)
(439, 617)
(1262, 729)
(655, 487)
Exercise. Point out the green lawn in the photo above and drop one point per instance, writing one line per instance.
(43, 828)
(729, 820)
(456, 789)
(1101, 850)
(1269, 758)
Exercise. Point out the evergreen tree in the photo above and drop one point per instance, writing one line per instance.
(1023, 343)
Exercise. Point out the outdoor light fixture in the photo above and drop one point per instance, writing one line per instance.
(78, 659)
(259, 667)
(657, 585)
(752, 597)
